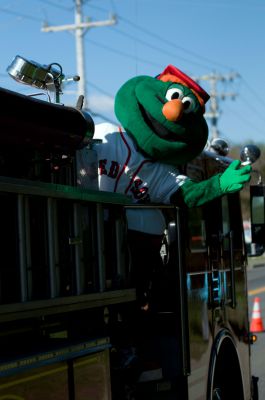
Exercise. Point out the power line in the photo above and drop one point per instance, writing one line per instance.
(158, 48)
(5, 10)
(80, 28)
(154, 35)
(122, 53)
(215, 96)
(95, 114)
(56, 5)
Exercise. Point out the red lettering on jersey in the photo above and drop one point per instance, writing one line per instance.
(139, 192)
(114, 169)
(102, 167)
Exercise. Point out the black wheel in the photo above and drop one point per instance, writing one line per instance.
(225, 382)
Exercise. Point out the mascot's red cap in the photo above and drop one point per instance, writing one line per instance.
(173, 74)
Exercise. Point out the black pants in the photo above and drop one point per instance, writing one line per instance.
(146, 262)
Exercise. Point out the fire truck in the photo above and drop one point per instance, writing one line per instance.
(70, 322)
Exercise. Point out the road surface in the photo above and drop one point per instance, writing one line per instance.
(256, 288)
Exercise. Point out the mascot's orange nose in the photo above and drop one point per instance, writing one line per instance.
(173, 110)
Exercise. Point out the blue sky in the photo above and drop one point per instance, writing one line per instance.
(201, 37)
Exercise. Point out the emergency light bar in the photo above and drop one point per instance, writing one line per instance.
(34, 74)
(46, 77)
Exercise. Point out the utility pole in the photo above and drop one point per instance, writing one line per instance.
(80, 28)
(213, 113)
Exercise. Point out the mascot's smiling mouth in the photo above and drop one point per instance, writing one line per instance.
(159, 129)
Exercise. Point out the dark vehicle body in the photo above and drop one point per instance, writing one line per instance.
(70, 323)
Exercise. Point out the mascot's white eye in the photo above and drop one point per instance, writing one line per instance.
(174, 93)
(189, 104)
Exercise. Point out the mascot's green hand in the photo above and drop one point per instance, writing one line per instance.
(234, 177)
(193, 194)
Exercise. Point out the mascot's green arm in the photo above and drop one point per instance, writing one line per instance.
(194, 194)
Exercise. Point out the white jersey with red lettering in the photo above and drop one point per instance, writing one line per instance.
(123, 169)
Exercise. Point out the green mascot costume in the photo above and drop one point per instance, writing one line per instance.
(163, 127)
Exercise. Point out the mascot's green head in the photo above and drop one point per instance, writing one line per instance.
(164, 115)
